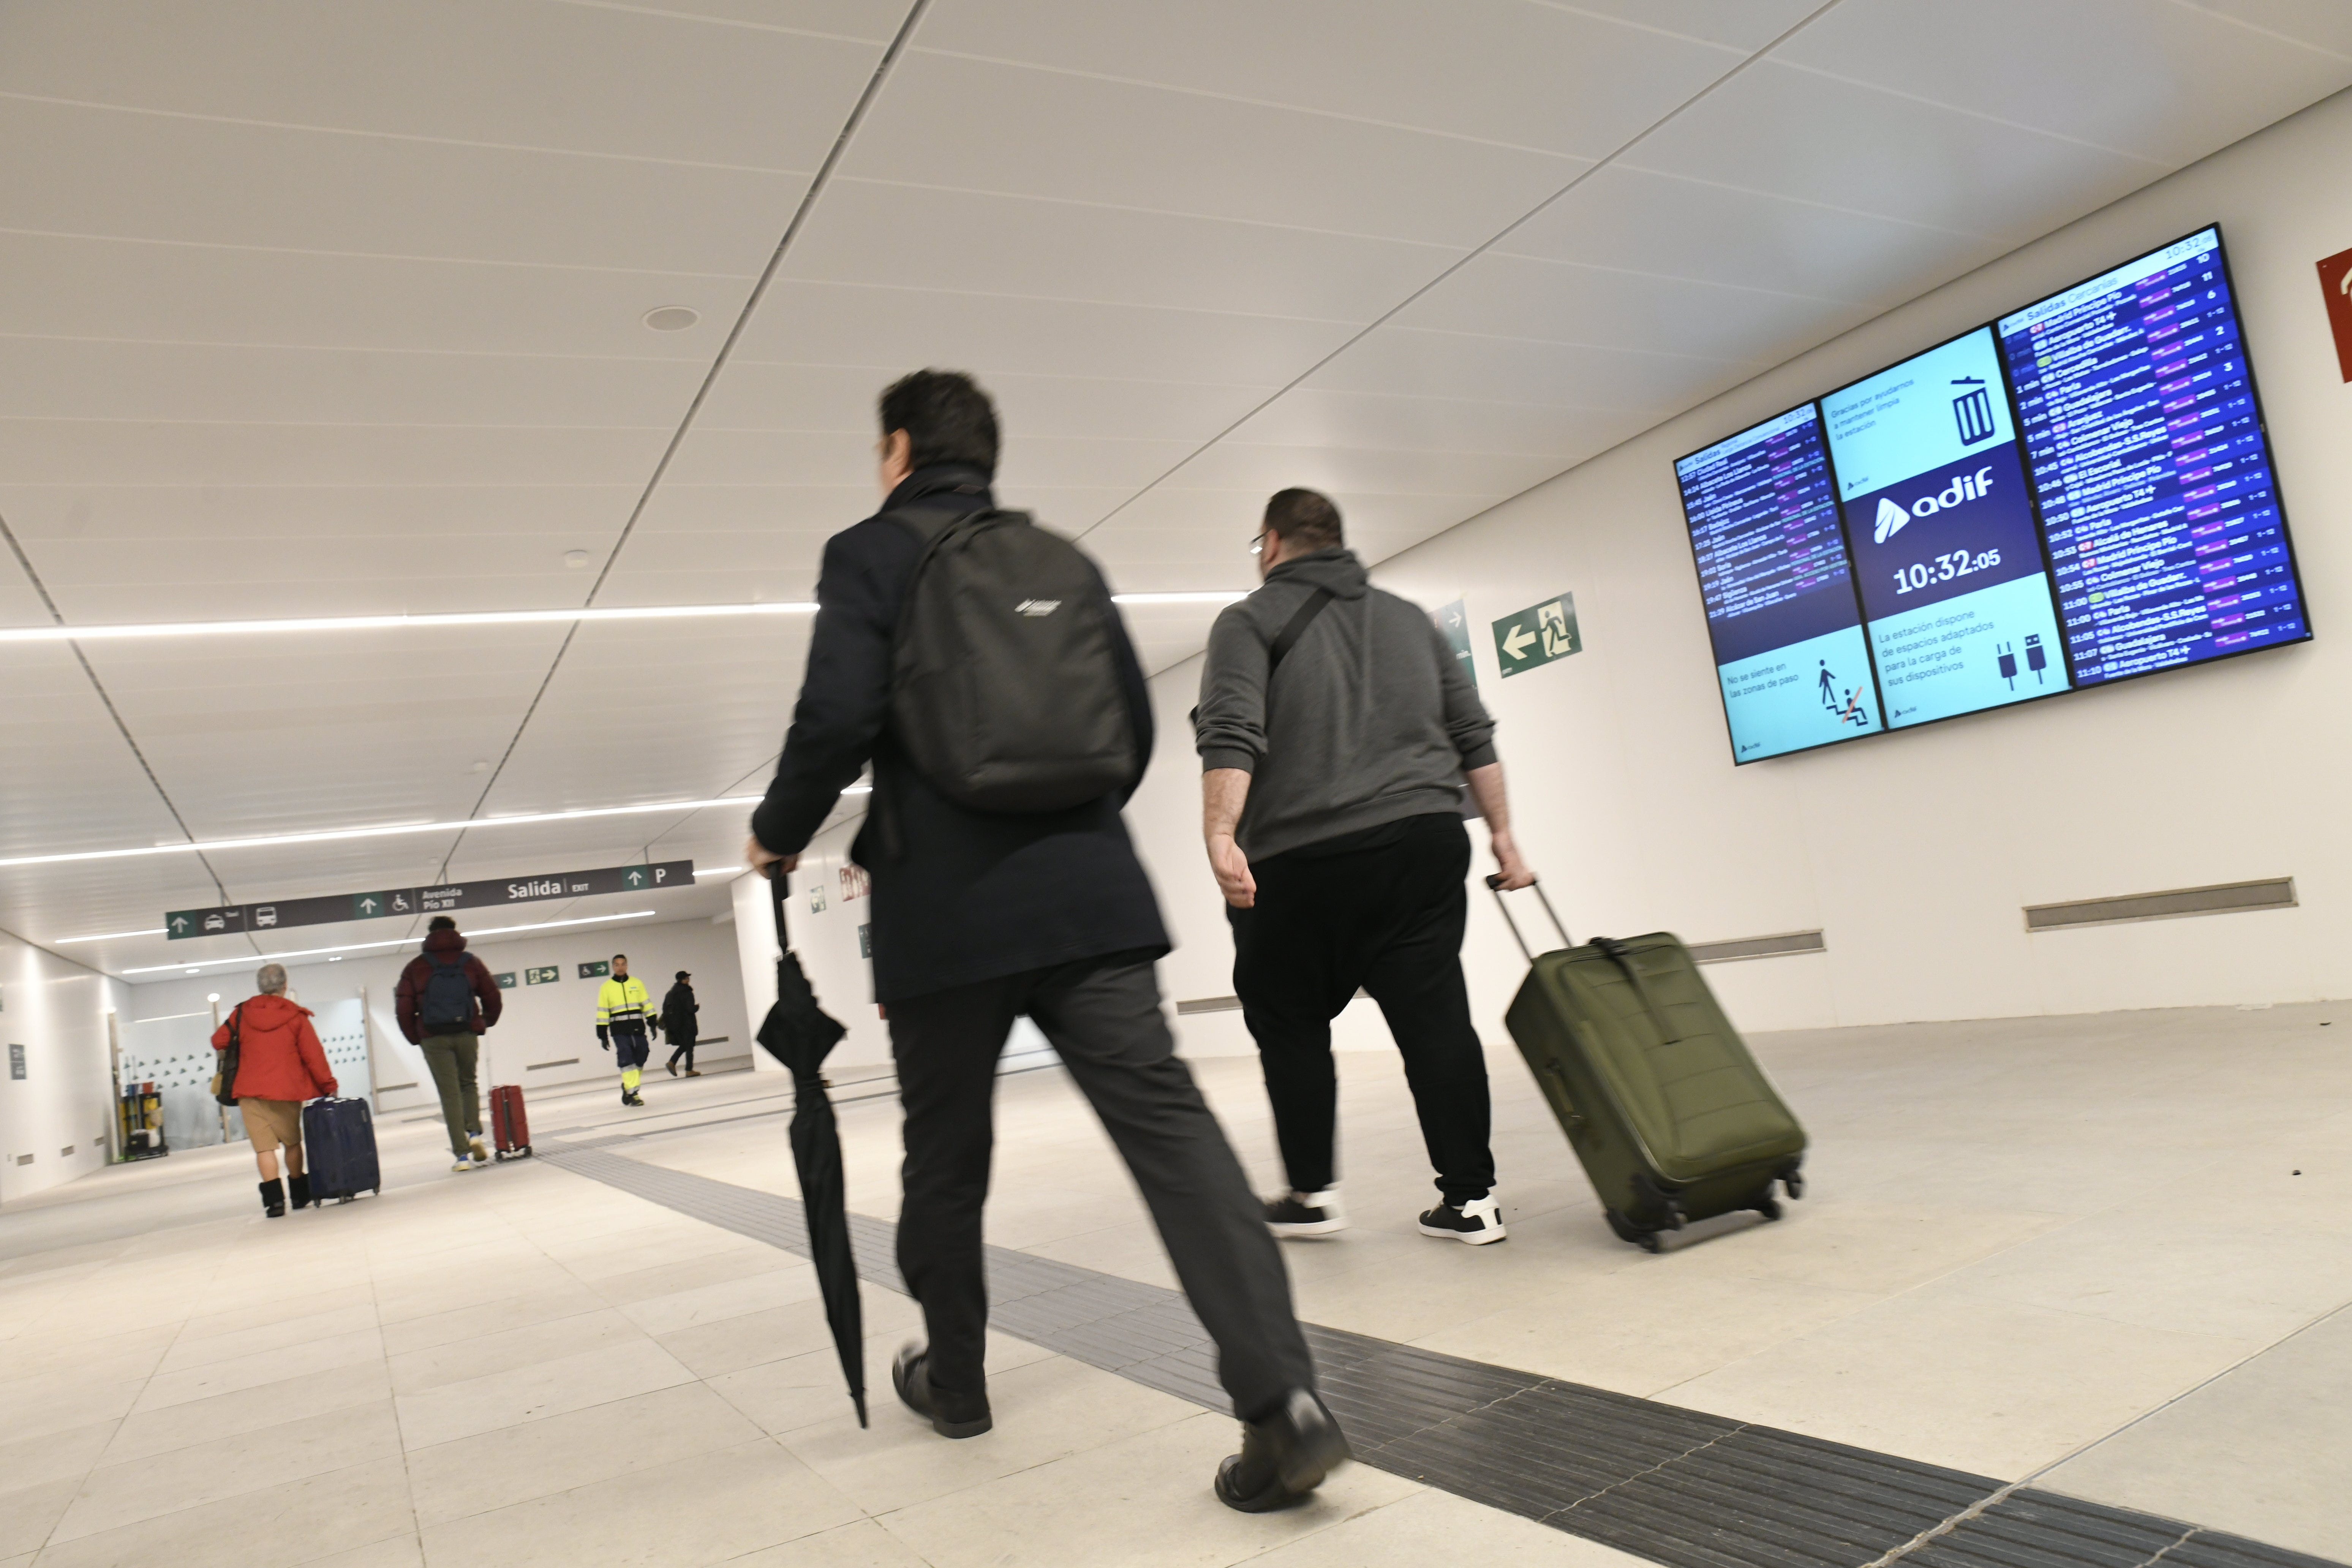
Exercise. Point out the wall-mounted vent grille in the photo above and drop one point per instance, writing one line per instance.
(1781, 946)
(24, 1159)
(566, 1062)
(67, 1152)
(2224, 899)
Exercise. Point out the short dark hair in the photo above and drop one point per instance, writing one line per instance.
(620, 958)
(1305, 519)
(946, 418)
(441, 923)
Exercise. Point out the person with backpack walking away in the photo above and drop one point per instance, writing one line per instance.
(677, 1010)
(625, 1017)
(978, 663)
(1337, 731)
(445, 1000)
(278, 1065)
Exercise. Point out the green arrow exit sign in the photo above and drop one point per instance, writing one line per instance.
(1537, 636)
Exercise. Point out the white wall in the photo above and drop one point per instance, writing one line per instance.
(1914, 852)
(56, 1120)
(546, 1035)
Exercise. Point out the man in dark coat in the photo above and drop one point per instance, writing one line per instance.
(677, 1010)
(445, 999)
(979, 917)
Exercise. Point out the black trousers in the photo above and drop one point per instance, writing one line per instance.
(1103, 1016)
(1389, 919)
(681, 1048)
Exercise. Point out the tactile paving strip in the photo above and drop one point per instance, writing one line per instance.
(1678, 1487)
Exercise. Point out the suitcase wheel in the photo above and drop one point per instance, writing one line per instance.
(1675, 1218)
(1652, 1242)
(1767, 1205)
(1795, 1182)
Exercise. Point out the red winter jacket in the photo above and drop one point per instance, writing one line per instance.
(278, 1052)
(408, 996)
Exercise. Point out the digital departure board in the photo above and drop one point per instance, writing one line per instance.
(1779, 595)
(2075, 493)
(1939, 519)
(2157, 500)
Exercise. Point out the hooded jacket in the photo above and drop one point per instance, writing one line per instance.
(408, 996)
(1368, 720)
(677, 1010)
(278, 1052)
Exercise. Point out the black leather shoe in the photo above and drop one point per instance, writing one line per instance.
(1283, 1457)
(910, 1376)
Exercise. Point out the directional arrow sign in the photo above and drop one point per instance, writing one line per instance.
(1537, 636)
(394, 903)
(1454, 624)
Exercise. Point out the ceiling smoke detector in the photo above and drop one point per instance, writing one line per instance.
(672, 318)
(576, 559)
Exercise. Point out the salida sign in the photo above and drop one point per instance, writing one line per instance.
(392, 902)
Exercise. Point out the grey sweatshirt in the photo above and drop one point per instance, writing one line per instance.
(1370, 720)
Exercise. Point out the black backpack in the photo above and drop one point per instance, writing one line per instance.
(1005, 692)
(449, 993)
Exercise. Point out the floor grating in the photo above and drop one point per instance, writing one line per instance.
(1677, 1486)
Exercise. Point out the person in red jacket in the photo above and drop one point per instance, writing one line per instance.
(279, 1064)
(446, 999)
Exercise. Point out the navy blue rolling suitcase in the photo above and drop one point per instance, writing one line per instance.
(339, 1146)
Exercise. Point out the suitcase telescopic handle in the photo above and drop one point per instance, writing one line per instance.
(1494, 886)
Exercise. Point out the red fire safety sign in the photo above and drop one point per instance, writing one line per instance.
(2336, 283)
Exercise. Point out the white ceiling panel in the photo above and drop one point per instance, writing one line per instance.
(2324, 23)
(752, 395)
(612, 79)
(1536, 76)
(1814, 138)
(2173, 81)
(1267, 468)
(1603, 307)
(1317, 416)
(204, 182)
(424, 515)
(1642, 221)
(136, 451)
(1025, 248)
(59, 378)
(1512, 370)
(858, 323)
(985, 125)
(111, 289)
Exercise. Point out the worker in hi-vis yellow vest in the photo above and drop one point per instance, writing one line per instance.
(625, 1018)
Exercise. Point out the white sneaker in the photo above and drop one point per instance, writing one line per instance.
(1478, 1222)
(1306, 1213)
(468, 1164)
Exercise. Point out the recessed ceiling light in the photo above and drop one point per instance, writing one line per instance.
(576, 559)
(672, 318)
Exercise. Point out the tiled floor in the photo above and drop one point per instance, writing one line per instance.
(2068, 1247)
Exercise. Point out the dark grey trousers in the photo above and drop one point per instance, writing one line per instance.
(1103, 1016)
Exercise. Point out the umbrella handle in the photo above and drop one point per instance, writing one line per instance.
(777, 890)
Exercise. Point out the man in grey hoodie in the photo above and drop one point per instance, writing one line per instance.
(1337, 731)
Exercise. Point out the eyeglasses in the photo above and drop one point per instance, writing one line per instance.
(1258, 542)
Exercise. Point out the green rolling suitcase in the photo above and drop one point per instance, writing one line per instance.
(1668, 1111)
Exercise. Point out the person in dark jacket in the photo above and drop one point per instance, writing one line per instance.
(979, 917)
(1332, 782)
(445, 998)
(677, 1010)
(279, 1064)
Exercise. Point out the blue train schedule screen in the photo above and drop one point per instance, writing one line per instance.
(1780, 610)
(2163, 519)
(1932, 488)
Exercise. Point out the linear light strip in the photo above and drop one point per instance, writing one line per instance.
(193, 965)
(482, 618)
(206, 847)
(110, 936)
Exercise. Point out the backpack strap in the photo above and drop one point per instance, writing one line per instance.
(1294, 628)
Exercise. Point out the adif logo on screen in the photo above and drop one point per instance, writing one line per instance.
(1964, 488)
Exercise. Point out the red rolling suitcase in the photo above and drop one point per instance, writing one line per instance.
(509, 1124)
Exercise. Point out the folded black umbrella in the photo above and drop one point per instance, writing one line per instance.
(800, 1034)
